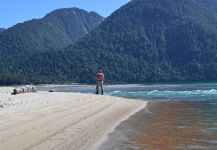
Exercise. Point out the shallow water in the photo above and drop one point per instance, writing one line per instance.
(178, 116)
(168, 126)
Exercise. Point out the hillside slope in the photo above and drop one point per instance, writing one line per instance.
(143, 41)
(53, 32)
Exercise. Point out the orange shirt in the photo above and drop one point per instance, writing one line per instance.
(100, 76)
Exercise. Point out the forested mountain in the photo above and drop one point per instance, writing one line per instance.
(53, 32)
(2, 29)
(143, 41)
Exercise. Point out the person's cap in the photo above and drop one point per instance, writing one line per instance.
(100, 70)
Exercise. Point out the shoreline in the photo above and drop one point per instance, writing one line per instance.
(61, 120)
(112, 129)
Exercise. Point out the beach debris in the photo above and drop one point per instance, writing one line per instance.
(24, 89)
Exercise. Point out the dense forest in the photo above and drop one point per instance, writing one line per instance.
(53, 32)
(143, 41)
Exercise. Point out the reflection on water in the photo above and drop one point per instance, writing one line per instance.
(168, 126)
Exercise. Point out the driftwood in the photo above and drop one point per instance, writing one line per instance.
(25, 89)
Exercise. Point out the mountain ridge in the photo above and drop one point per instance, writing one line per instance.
(143, 41)
(52, 32)
(155, 57)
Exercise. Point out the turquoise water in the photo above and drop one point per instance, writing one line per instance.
(169, 95)
(178, 116)
(188, 92)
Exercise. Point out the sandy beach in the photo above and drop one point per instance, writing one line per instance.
(60, 121)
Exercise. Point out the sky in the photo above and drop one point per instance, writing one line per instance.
(18, 11)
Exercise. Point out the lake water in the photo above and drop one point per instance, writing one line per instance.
(178, 116)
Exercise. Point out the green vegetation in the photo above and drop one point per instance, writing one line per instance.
(51, 33)
(143, 41)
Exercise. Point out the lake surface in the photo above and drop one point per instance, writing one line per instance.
(178, 116)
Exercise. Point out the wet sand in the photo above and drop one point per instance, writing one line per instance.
(60, 121)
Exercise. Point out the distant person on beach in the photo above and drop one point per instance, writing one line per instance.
(99, 81)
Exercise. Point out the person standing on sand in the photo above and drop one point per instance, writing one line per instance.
(99, 81)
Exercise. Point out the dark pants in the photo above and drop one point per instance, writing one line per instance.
(99, 84)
